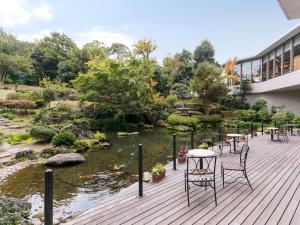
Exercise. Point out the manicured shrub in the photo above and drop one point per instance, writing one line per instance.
(8, 116)
(64, 138)
(263, 114)
(280, 118)
(289, 116)
(296, 120)
(43, 133)
(174, 120)
(212, 120)
(259, 104)
(100, 136)
(245, 115)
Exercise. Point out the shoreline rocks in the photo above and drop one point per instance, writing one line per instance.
(65, 159)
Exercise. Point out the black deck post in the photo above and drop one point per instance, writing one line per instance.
(238, 128)
(140, 170)
(174, 151)
(192, 139)
(262, 127)
(48, 201)
(251, 129)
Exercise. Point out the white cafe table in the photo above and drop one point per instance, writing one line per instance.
(272, 130)
(234, 136)
(200, 153)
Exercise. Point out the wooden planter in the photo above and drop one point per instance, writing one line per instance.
(158, 177)
(181, 159)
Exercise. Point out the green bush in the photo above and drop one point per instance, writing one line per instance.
(174, 120)
(296, 120)
(100, 136)
(14, 138)
(8, 116)
(289, 116)
(82, 145)
(247, 125)
(210, 120)
(245, 115)
(259, 104)
(203, 146)
(43, 133)
(64, 138)
(263, 114)
(280, 118)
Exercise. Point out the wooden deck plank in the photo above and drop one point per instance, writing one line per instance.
(296, 216)
(276, 187)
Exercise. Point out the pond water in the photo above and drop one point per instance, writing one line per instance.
(83, 186)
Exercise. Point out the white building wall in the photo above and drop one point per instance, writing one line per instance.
(290, 99)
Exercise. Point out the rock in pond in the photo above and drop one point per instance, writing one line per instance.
(65, 159)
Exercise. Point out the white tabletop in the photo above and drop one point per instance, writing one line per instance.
(200, 153)
(272, 128)
(234, 135)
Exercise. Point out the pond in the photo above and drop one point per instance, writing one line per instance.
(81, 187)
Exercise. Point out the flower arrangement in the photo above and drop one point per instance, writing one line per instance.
(203, 146)
(158, 172)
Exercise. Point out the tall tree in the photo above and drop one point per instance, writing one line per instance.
(49, 54)
(144, 47)
(119, 51)
(207, 85)
(204, 52)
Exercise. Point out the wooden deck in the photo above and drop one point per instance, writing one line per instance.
(273, 170)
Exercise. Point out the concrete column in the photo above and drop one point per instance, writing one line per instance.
(268, 72)
(261, 65)
(282, 52)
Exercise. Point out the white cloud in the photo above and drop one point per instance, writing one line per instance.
(43, 12)
(18, 12)
(105, 36)
(34, 36)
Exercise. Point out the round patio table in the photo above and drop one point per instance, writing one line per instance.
(272, 129)
(234, 136)
(290, 127)
(200, 153)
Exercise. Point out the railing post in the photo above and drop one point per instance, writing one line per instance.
(174, 151)
(262, 127)
(251, 129)
(140, 170)
(192, 139)
(48, 201)
(238, 128)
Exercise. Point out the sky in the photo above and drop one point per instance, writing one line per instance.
(235, 27)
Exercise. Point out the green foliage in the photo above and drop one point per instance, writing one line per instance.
(112, 125)
(296, 120)
(289, 116)
(247, 125)
(64, 138)
(207, 85)
(259, 104)
(280, 118)
(174, 120)
(100, 136)
(18, 104)
(204, 52)
(158, 168)
(263, 114)
(43, 133)
(181, 90)
(82, 145)
(14, 138)
(8, 115)
(171, 101)
(49, 95)
(210, 119)
(245, 115)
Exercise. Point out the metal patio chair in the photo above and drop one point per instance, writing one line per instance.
(237, 166)
(200, 172)
(282, 135)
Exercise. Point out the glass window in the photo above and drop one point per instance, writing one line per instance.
(238, 69)
(297, 52)
(271, 67)
(264, 68)
(286, 57)
(246, 71)
(256, 68)
(278, 56)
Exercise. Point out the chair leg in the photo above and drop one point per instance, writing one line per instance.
(188, 194)
(222, 174)
(184, 181)
(215, 192)
(245, 174)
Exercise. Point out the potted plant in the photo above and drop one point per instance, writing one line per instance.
(181, 154)
(158, 172)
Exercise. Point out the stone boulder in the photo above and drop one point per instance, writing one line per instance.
(65, 159)
(25, 153)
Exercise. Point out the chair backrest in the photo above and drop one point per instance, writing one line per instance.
(208, 165)
(244, 155)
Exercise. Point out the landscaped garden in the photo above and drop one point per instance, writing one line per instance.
(97, 104)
